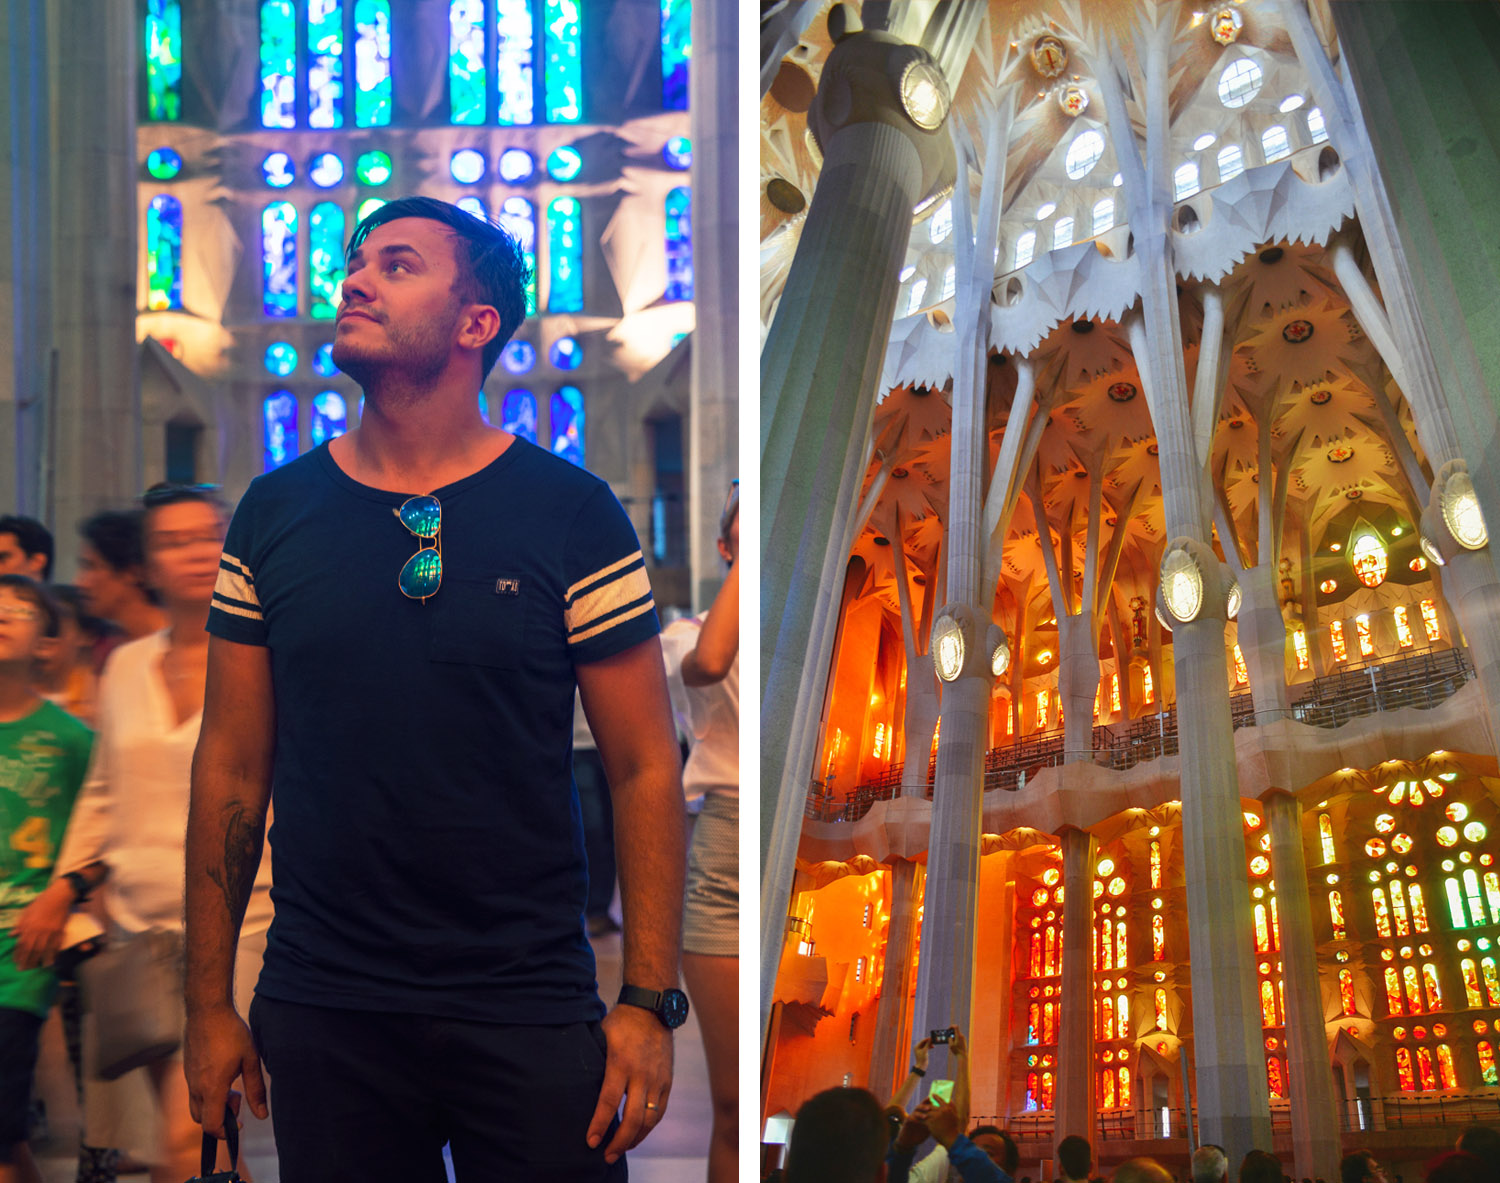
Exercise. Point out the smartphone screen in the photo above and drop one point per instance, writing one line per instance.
(941, 1092)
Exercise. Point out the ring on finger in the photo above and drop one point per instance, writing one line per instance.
(652, 1105)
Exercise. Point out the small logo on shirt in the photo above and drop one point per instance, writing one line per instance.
(507, 587)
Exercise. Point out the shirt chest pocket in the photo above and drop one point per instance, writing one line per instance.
(480, 621)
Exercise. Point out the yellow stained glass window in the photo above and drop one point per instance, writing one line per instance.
(1107, 1083)
(1124, 1093)
(1107, 944)
(1393, 991)
(1346, 991)
(1418, 908)
(1369, 559)
(1161, 1009)
(1158, 938)
(1434, 993)
(1267, 1003)
(1299, 646)
(1413, 989)
(1492, 893)
(1107, 1022)
(1403, 627)
(1148, 689)
(1382, 912)
(1362, 628)
(1241, 674)
(1470, 973)
(1043, 701)
(1471, 889)
(1262, 930)
(1275, 926)
(1325, 835)
(1155, 864)
(1398, 908)
(1122, 949)
(1336, 913)
(1114, 693)
(1122, 1017)
(1430, 620)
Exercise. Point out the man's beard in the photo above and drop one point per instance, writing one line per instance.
(412, 360)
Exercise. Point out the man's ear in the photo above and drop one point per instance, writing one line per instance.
(481, 325)
(35, 565)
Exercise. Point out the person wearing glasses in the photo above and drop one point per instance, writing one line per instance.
(400, 621)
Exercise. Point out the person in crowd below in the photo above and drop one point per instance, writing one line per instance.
(25, 548)
(987, 1155)
(1210, 1164)
(401, 619)
(1484, 1143)
(126, 832)
(44, 754)
(1260, 1166)
(935, 1167)
(1075, 1158)
(69, 676)
(1360, 1166)
(1460, 1166)
(707, 661)
(1141, 1170)
(111, 573)
(839, 1137)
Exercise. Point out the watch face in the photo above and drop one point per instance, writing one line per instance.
(673, 1008)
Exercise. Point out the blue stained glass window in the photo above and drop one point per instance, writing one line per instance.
(516, 164)
(325, 245)
(473, 205)
(565, 255)
(518, 218)
(518, 414)
(164, 164)
(278, 245)
(280, 411)
(518, 356)
(466, 82)
(367, 207)
(515, 53)
(330, 417)
(678, 153)
(278, 170)
(372, 63)
(467, 166)
(163, 253)
(564, 163)
(566, 354)
(322, 362)
(676, 50)
(281, 358)
(325, 63)
(564, 74)
(679, 244)
(278, 64)
(567, 424)
(163, 59)
(325, 170)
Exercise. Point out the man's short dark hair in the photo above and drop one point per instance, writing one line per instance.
(1482, 1140)
(492, 268)
(1354, 1166)
(115, 534)
(170, 493)
(1011, 1154)
(31, 536)
(24, 587)
(1075, 1156)
(1260, 1166)
(840, 1137)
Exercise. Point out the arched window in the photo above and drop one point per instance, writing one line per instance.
(941, 224)
(278, 243)
(1104, 215)
(325, 241)
(1325, 835)
(1032, 1099)
(1267, 1003)
(1382, 911)
(325, 63)
(163, 253)
(280, 415)
(330, 417)
(1274, 1079)
(278, 64)
(1158, 938)
(568, 425)
(1161, 1009)
(950, 279)
(1025, 248)
(1086, 150)
(1062, 232)
(1336, 637)
(1184, 181)
(1491, 980)
(1432, 993)
(516, 61)
(918, 293)
(565, 255)
(518, 414)
(1262, 930)
(1336, 913)
(372, 63)
(1274, 143)
(1424, 1070)
(1231, 162)
(676, 50)
(1403, 1070)
(1346, 991)
(1413, 989)
(1240, 82)
(466, 70)
(1470, 973)
(1487, 1070)
(163, 41)
(564, 71)
(1393, 991)
(679, 244)
(1316, 128)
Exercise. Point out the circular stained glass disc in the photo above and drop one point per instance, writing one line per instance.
(1447, 836)
(281, 358)
(1375, 847)
(322, 362)
(1401, 843)
(518, 356)
(164, 164)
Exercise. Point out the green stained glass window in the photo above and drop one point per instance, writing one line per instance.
(565, 255)
(518, 219)
(515, 54)
(466, 73)
(676, 50)
(278, 64)
(325, 63)
(373, 168)
(564, 73)
(163, 59)
(372, 63)
(325, 231)
(163, 253)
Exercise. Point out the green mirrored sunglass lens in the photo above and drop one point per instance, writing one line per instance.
(422, 574)
(422, 516)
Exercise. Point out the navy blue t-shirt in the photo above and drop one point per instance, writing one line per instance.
(426, 837)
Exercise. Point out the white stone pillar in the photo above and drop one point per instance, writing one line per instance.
(1262, 640)
(1316, 1145)
(1073, 1101)
(892, 1034)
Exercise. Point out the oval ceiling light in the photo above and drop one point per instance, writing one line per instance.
(948, 648)
(1182, 585)
(1461, 512)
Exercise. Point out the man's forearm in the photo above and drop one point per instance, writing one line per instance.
(650, 853)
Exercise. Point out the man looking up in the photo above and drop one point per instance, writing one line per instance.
(400, 620)
(25, 548)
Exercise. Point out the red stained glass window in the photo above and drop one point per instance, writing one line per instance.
(1433, 992)
(1267, 1003)
(1156, 864)
(1346, 991)
(1424, 1069)
(1487, 1070)
(1413, 990)
(1393, 991)
(1446, 1075)
(1336, 913)
(1273, 1076)
(1124, 1093)
(1403, 1070)
(1158, 938)
(1046, 1090)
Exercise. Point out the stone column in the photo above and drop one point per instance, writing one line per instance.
(1262, 640)
(713, 422)
(1316, 1146)
(1073, 1102)
(892, 1042)
(819, 369)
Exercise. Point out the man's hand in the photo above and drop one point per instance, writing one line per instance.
(39, 928)
(639, 1068)
(920, 1053)
(914, 1129)
(957, 1045)
(218, 1048)
(944, 1124)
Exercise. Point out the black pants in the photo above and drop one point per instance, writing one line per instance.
(370, 1095)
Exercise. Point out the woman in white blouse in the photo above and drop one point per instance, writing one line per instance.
(126, 833)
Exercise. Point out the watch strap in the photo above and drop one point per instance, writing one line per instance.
(640, 996)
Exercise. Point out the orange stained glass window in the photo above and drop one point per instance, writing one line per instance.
(1275, 926)
(1491, 980)
(1148, 688)
(1107, 1021)
(1487, 1071)
(1413, 989)
(1393, 991)
(1043, 701)
(1033, 1022)
(1398, 908)
(1346, 991)
(1470, 973)
(1430, 620)
(1434, 993)
(1446, 1075)
(1010, 720)
(1403, 1070)
(1281, 999)
(1362, 627)
(1054, 959)
(1107, 943)
(1336, 634)
(1046, 1090)
(1325, 835)
(1267, 1003)
(1424, 1069)
(1114, 693)
(1032, 1082)
(1492, 893)
(1418, 907)
(1122, 946)
(1471, 889)
(1156, 864)
(1049, 1022)
(1161, 1009)
(1036, 954)
(1273, 1076)
(1098, 695)
(1299, 646)
(1241, 674)
(1124, 1093)
(1158, 938)
(1107, 1088)
(1122, 1017)
(1403, 627)
(1262, 930)
(1336, 913)
(879, 748)
(1382, 912)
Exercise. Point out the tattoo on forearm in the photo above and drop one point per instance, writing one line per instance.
(243, 830)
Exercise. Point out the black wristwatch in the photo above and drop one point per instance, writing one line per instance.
(80, 885)
(670, 1006)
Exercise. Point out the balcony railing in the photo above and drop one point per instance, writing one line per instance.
(1421, 680)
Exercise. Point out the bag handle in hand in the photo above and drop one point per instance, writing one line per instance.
(211, 1144)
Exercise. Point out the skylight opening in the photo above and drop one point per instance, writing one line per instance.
(1046, 210)
(1104, 215)
(1231, 162)
(1240, 82)
(1062, 233)
(907, 272)
(1291, 103)
(1316, 128)
(942, 222)
(1086, 150)
(1185, 181)
(950, 279)
(1206, 140)
(1025, 248)
(918, 292)
(1275, 144)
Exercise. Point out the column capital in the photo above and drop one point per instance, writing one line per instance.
(1276, 795)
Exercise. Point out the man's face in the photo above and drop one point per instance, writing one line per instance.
(183, 542)
(106, 592)
(1374, 1171)
(15, 561)
(994, 1146)
(22, 630)
(399, 310)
